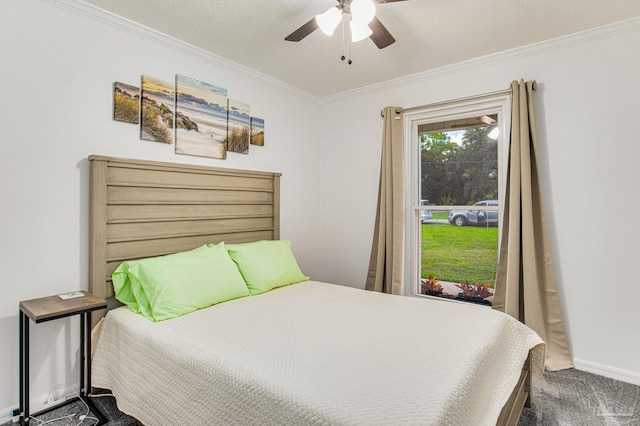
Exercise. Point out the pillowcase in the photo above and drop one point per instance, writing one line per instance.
(168, 286)
(266, 265)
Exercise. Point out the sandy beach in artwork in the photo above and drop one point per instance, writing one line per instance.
(192, 142)
(202, 128)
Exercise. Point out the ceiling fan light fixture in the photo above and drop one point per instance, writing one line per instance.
(363, 10)
(329, 20)
(359, 30)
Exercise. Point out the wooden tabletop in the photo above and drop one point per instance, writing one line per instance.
(52, 307)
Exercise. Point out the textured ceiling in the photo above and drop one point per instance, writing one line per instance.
(429, 33)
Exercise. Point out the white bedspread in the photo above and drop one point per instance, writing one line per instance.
(316, 353)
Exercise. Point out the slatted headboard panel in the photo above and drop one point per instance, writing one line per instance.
(144, 208)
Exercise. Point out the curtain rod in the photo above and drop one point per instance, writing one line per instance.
(441, 103)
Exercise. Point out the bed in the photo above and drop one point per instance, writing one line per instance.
(308, 353)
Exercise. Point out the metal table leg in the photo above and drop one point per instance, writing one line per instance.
(21, 361)
(83, 361)
(88, 341)
(24, 368)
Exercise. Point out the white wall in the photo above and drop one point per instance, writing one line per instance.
(587, 107)
(57, 70)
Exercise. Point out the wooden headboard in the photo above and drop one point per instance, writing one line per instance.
(145, 208)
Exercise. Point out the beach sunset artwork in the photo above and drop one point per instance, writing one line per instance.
(156, 114)
(257, 131)
(201, 118)
(239, 127)
(126, 103)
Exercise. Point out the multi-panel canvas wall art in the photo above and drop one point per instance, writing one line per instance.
(156, 112)
(239, 127)
(126, 103)
(257, 131)
(201, 118)
(197, 116)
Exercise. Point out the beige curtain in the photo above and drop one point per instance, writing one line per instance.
(386, 265)
(525, 284)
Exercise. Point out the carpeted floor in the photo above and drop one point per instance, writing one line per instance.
(563, 398)
(70, 415)
(573, 397)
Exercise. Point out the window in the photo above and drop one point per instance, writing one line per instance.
(456, 156)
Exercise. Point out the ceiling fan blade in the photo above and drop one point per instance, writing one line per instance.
(303, 31)
(380, 36)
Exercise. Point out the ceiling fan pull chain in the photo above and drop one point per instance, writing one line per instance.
(344, 41)
(350, 42)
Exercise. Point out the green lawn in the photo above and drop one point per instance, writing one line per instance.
(456, 254)
(440, 215)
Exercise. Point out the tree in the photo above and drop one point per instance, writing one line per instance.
(459, 174)
(437, 151)
(479, 155)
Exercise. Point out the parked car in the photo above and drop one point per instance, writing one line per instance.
(425, 215)
(475, 217)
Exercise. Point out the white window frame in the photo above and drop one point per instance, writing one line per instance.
(494, 103)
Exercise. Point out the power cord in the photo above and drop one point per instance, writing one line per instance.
(9, 415)
(99, 395)
(82, 417)
(42, 422)
(86, 416)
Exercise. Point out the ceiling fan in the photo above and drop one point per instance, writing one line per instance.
(362, 20)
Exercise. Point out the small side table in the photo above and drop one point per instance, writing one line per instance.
(48, 309)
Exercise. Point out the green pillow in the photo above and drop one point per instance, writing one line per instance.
(165, 287)
(266, 265)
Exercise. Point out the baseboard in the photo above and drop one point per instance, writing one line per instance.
(40, 403)
(608, 371)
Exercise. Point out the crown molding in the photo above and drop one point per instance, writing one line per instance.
(534, 49)
(120, 23)
(105, 17)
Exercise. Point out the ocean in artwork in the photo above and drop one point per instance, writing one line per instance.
(201, 118)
